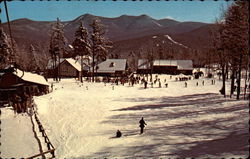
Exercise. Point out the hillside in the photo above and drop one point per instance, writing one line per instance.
(128, 33)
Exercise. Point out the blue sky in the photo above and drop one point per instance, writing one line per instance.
(205, 11)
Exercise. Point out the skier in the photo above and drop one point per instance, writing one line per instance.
(52, 87)
(185, 84)
(145, 84)
(118, 133)
(203, 83)
(159, 83)
(142, 124)
(166, 84)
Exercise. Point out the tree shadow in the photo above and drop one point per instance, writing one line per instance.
(234, 143)
(197, 99)
(184, 138)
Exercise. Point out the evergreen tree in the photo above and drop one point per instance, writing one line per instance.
(100, 45)
(81, 44)
(33, 66)
(5, 50)
(57, 44)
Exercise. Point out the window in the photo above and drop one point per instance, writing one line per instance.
(112, 64)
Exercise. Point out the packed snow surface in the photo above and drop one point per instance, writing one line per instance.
(81, 120)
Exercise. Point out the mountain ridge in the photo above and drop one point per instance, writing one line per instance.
(120, 30)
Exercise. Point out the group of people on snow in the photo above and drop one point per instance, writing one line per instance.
(21, 102)
(142, 125)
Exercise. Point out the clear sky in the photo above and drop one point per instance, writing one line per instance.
(199, 11)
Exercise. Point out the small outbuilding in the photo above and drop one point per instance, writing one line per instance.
(68, 68)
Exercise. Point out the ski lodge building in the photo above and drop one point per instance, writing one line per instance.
(17, 81)
(166, 67)
(68, 68)
(112, 68)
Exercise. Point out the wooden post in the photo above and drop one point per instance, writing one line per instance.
(40, 128)
(43, 133)
(45, 139)
(48, 145)
(53, 153)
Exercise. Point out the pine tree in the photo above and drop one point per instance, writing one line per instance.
(81, 44)
(5, 50)
(100, 44)
(33, 66)
(57, 44)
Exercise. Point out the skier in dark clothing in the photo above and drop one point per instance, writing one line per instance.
(142, 124)
(118, 133)
(145, 84)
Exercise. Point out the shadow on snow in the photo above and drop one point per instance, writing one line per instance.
(209, 136)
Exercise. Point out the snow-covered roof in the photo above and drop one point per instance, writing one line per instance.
(87, 60)
(31, 77)
(185, 64)
(74, 63)
(143, 64)
(165, 63)
(181, 64)
(112, 65)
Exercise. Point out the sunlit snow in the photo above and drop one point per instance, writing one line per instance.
(81, 120)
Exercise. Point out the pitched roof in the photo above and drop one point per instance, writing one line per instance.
(74, 63)
(185, 64)
(112, 65)
(87, 60)
(143, 64)
(30, 77)
(165, 63)
(181, 64)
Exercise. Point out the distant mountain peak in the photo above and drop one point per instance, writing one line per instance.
(84, 16)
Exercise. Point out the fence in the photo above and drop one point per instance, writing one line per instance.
(51, 148)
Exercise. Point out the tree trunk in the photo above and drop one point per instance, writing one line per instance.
(239, 79)
(59, 68)
(81, 70)
(232, 81)
(93, 65)
(56, 70)
(53, 67)
(245, 88)
(151, 72)
(223, 90)
(226, 71)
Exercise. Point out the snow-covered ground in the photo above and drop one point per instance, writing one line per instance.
(81, 121)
